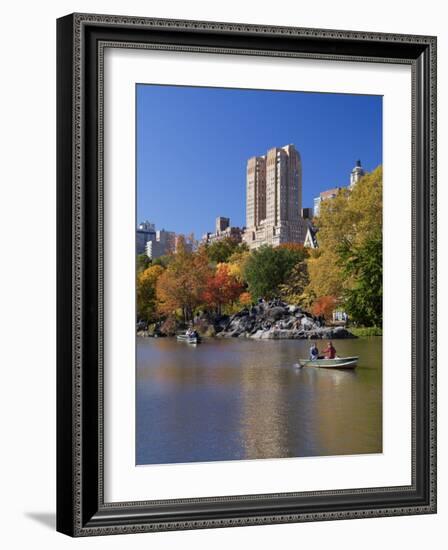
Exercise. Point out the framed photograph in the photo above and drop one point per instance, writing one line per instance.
(246, 274)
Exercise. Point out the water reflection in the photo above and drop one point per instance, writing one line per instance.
(238, 399)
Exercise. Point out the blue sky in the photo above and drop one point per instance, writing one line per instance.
(193, 145)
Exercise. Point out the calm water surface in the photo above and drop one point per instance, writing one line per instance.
(242, 399)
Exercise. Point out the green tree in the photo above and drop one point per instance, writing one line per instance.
(164, 261)
(143, 262)
(363, 265)
(268, 268)
(221, 250)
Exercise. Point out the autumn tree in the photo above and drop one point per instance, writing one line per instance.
(324, 306)
(237, 262)
(293, 289)
(347, 224)
(146, 292)
(245, 299)
(221, 288)
(181, 285)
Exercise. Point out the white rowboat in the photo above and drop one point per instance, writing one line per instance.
(188, 339)
(336, 363)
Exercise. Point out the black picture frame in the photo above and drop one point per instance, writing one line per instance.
(81, 510)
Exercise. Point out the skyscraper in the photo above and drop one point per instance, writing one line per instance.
(274, 198)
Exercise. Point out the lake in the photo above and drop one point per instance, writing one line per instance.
(240, 399)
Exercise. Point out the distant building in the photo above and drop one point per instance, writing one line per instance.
(325, 195)
(356, 174)
(307, 213)
(221, 224)
(274, 198)
(146, 232)
(316, 209)
(223, 230)
(154, 250)
(163, 243)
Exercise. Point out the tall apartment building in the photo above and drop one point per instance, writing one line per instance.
(274, 198)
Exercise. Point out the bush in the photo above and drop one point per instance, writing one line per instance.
(366, 331)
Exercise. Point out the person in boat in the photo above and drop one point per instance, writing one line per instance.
(314, 352)
(330, 351)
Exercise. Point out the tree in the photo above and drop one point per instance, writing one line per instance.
(146, 293)
(181, 285)
(237, 262)
(221, 288)
(350, 227)
(292, 291)
(164, 261)
(267, 268)
(325, 273)
(221, 250)
(142, 262)
(363, 264)
(324, 306)
(245, 299)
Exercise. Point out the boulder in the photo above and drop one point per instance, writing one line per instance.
(275, 313)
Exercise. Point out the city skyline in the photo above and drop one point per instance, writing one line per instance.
(193, 145)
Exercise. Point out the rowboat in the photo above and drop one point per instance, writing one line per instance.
(336, 363)
(188, 339)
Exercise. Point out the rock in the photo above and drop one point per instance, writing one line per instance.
(307, 323)
(275, 313)
(275, 321)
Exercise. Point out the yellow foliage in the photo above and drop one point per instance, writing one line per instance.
(150, 275)
(236, 263)
(351, 217)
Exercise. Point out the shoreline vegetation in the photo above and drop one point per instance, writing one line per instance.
(223, 289)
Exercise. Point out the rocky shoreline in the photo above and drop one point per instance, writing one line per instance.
(277, 320)
(274, 320)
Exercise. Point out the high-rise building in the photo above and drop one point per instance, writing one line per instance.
(274, 198)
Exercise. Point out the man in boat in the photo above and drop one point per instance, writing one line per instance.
(330, 351)
(314, 352)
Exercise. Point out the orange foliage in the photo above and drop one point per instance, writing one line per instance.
(221, 288)
(181, 285)
(245, 299)
(324, 306)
